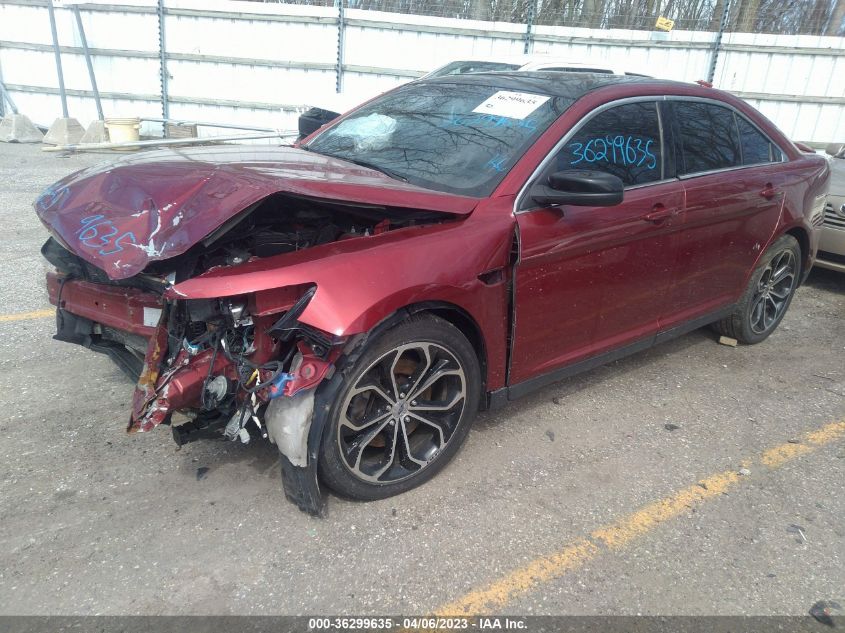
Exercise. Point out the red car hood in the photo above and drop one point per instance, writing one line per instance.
(124, 214)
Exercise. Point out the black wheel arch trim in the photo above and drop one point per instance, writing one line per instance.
(302, 484)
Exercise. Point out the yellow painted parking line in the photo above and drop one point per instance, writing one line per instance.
(491, 598)
(625, 530)
(26, 316)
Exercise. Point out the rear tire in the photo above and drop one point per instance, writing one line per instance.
(403, 411)
(768, 295)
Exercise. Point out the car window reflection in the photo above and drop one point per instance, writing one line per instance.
(435, 135)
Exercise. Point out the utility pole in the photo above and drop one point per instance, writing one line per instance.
(57, 53)
(529, 25)
(717, 43)
(341, 40)
(162, 61)
(88, 63)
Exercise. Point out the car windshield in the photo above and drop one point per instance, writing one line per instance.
(451, 137)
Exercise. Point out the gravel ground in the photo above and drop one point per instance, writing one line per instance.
(98, 522)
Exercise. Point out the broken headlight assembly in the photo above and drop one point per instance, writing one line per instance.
(241, 363)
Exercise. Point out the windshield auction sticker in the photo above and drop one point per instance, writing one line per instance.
(513, 105)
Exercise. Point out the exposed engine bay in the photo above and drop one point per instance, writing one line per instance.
(273, 226)
(283, 224)
(222, 362)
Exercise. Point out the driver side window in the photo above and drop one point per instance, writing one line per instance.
(623, 140)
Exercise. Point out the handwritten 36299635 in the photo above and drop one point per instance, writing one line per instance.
(616, 150)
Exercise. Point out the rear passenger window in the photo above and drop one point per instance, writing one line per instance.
(756, 147)
(709, 138)
(623, 141)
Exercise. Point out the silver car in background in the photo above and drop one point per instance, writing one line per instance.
(832, 240)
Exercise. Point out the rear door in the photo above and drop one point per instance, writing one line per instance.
(590, 279)
(733, 176)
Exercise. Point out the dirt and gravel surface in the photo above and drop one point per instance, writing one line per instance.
(95, 521)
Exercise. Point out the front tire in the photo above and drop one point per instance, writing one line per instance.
(768, 295)
(403, 411)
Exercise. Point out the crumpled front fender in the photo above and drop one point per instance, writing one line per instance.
(299, 436)
(361, 281)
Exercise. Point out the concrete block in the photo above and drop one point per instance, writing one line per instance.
(64, 131)
(17, 128)
(96, 133)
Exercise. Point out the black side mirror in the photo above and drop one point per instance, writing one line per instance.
(581, 188)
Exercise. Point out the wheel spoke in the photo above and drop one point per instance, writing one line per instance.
(782, 273)
(439, 372)
(764, 278)
(372, 388)
(781, 294)
(364, 424)
(777, 304)
(437, 426)
(380, 376)
(392, 374)
(421, 371)
(428, 406)
(407, 447)
(757, 312)
(390, 451)
(364, 442)
(769, 318)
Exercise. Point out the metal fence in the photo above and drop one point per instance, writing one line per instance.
(261, 63)
(786, 17)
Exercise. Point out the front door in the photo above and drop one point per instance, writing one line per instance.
(591, 279)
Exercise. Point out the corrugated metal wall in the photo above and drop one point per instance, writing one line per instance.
(259, 64)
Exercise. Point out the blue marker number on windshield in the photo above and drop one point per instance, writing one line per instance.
(497, 163)
(491, 120)
(615, 150)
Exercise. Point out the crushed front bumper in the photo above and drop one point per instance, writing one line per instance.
(104, 318)
(133, 326)
(113, 320)
(125, 309)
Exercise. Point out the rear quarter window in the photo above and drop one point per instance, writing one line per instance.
(757, 148)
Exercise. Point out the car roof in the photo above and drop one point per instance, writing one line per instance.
(529, 62)
(519, 59)
(528, 58)
(554, 83)
(576, 66)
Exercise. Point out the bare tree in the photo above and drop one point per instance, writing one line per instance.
(818, 17)
(835, 24)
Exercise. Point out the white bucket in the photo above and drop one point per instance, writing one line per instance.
(123, 130)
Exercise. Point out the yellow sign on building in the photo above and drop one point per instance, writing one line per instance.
(664, 24)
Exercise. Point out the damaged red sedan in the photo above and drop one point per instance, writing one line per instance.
(445, 248)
